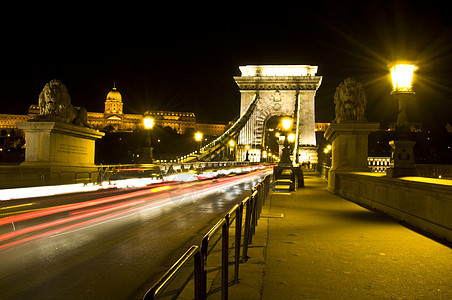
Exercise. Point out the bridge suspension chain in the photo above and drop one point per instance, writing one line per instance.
(214, 148)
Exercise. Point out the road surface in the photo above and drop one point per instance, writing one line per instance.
(110, 244)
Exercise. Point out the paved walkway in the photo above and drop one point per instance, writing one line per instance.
(314, 245)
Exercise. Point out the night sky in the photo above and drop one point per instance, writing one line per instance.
(184, 56)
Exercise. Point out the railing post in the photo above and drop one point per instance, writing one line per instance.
(203, 283)
(247, 233)
(225, 259)
(238, 237)
(199, 267)
(253, 215)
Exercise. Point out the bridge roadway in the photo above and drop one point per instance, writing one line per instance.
(110, 244)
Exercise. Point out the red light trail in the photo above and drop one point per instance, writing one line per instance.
(105, 209)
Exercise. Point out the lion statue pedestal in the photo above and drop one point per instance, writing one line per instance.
(59, 143)
(349, 142)
(349, 131)
(59, 150)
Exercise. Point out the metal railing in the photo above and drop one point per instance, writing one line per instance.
(201, 266)
(157, 290)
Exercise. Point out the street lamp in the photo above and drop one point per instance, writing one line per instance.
(286, 123)
(402, 161)
(264, 155)
(148, 121)
(198, 138)
(231, 149)
(148, 124)
(402, 77)
(247, 155)
(285, 157)
(327, 149)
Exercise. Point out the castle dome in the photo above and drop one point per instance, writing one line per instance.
(114, 94)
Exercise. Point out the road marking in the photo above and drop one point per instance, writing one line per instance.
(19, 205)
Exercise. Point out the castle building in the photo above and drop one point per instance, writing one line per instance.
(114, 119)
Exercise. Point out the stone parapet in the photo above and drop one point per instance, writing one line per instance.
(424, 203)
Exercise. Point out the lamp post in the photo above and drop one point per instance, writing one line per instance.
(148, 124)
(285, 157)
(402, 160)
(247, 155)
(327, 151)
(231, 150)
(198, 138)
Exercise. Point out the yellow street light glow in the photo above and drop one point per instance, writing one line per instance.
(402, 76)
(286, 123)
(231, 143)
(291, 138)
(148, 122)
(198, 136)
(327, 149)
(247, 147)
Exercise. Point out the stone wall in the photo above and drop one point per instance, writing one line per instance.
(424, 203)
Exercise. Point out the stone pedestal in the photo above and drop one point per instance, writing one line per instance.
(402, 162)
(55, 148)
(349, 141)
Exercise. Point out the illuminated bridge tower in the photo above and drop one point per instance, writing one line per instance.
(283, 90)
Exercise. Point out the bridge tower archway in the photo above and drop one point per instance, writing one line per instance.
(283, 90)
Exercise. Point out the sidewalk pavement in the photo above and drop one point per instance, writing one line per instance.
(311, 244)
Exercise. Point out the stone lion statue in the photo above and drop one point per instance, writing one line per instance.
(350, 101)
(55, 105)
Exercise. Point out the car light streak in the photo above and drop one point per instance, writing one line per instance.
(89, 215)
(68, 207)
(16, 206)
(82, 215)
(95, 221)
(43, 191)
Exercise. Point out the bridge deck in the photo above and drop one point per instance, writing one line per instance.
(314, 245)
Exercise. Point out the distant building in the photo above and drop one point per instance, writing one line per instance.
(378, 164)
(114, 119)
(321, 126)
(8, 121)
(182, 122)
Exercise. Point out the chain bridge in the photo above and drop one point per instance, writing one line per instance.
(268, 91)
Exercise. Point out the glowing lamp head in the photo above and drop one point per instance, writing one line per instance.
(148, 122)
(402, 77)
(231, 143)
(327, 149)
(286, 123)
(291, 137)
(198, 136)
